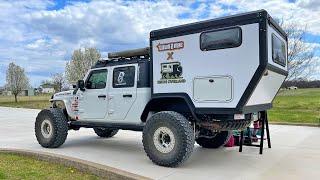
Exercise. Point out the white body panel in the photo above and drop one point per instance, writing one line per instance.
(119, 106)
(238, 63)
(266, 89)
(220, 88)
(90, 105)
(270, 83)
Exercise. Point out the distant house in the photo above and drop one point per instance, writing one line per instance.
(292, 87)
(27, 92)
(47, 89)
(6, 93)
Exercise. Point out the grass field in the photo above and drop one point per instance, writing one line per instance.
(290, 106)
(32, 102)
(20, 167)
(296, 106)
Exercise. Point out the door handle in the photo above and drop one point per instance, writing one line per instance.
(102, 96)
(127, 95)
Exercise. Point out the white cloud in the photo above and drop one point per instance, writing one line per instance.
(301, 11)
(40, 40)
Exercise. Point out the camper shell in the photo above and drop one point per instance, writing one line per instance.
(240, 76)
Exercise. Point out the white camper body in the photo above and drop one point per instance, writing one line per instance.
(236, 76)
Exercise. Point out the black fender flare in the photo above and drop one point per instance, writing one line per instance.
(156, 98)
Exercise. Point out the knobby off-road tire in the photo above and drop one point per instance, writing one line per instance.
(105, 132)
(51, 128)
(215, 142)
(168, 138)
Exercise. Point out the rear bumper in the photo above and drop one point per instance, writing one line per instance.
(226, 122)
(226, 125)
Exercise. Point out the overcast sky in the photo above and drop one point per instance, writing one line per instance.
(40, 35)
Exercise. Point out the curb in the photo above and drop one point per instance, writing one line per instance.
(82, 165)
(295, 124)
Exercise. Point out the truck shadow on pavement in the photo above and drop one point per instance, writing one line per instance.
(132, 148)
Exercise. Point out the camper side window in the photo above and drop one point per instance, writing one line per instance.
(220, 39)
(278, 50)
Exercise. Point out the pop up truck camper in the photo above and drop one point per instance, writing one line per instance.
(195, 83)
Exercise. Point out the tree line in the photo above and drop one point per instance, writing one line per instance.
(81, 61)
(302, 84)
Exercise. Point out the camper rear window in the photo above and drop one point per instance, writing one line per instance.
(278, 50)
(220, 39)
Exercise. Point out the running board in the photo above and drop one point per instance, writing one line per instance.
(123, 126)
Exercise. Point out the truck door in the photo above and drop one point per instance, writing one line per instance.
(123, 91)
(93, 101)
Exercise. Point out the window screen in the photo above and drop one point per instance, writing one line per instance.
(123, 77)
(97, 79)
(220, 39)
(278, 50)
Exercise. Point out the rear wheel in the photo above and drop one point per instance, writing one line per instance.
(216, 141)
(51, 128)
(168, 139)
(105, 132)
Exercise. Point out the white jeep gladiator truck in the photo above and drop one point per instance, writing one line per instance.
(195, 83)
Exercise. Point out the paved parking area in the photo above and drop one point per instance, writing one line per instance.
(295, 152)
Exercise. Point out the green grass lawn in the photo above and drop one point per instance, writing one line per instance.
(296, 106)
(32, 102)
(20, 167)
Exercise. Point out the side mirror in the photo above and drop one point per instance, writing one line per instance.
(81, 85)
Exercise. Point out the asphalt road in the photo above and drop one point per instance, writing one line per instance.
(295, 152)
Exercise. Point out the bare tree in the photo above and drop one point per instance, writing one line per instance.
(58, 81)
(16, 80)
(300, 53)
(80, 63)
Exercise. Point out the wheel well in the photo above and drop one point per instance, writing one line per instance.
(60, 104)
(177, 104)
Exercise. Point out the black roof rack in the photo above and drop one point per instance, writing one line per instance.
(120, 61)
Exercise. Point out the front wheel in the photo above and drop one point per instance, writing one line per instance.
(51, 128)
(168, 138)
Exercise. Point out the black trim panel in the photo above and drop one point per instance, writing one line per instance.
(276, 26)
(123, 126)
(277, 70)
(184, 96)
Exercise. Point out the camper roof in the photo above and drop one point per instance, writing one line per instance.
(254, 16)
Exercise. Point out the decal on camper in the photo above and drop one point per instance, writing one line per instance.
(170, 46)
(171, 72)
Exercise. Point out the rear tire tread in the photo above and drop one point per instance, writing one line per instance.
(184, 129)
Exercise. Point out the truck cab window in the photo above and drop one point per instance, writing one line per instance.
(278, 50)
(123, 77)
(97, 79)
(220, 39)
